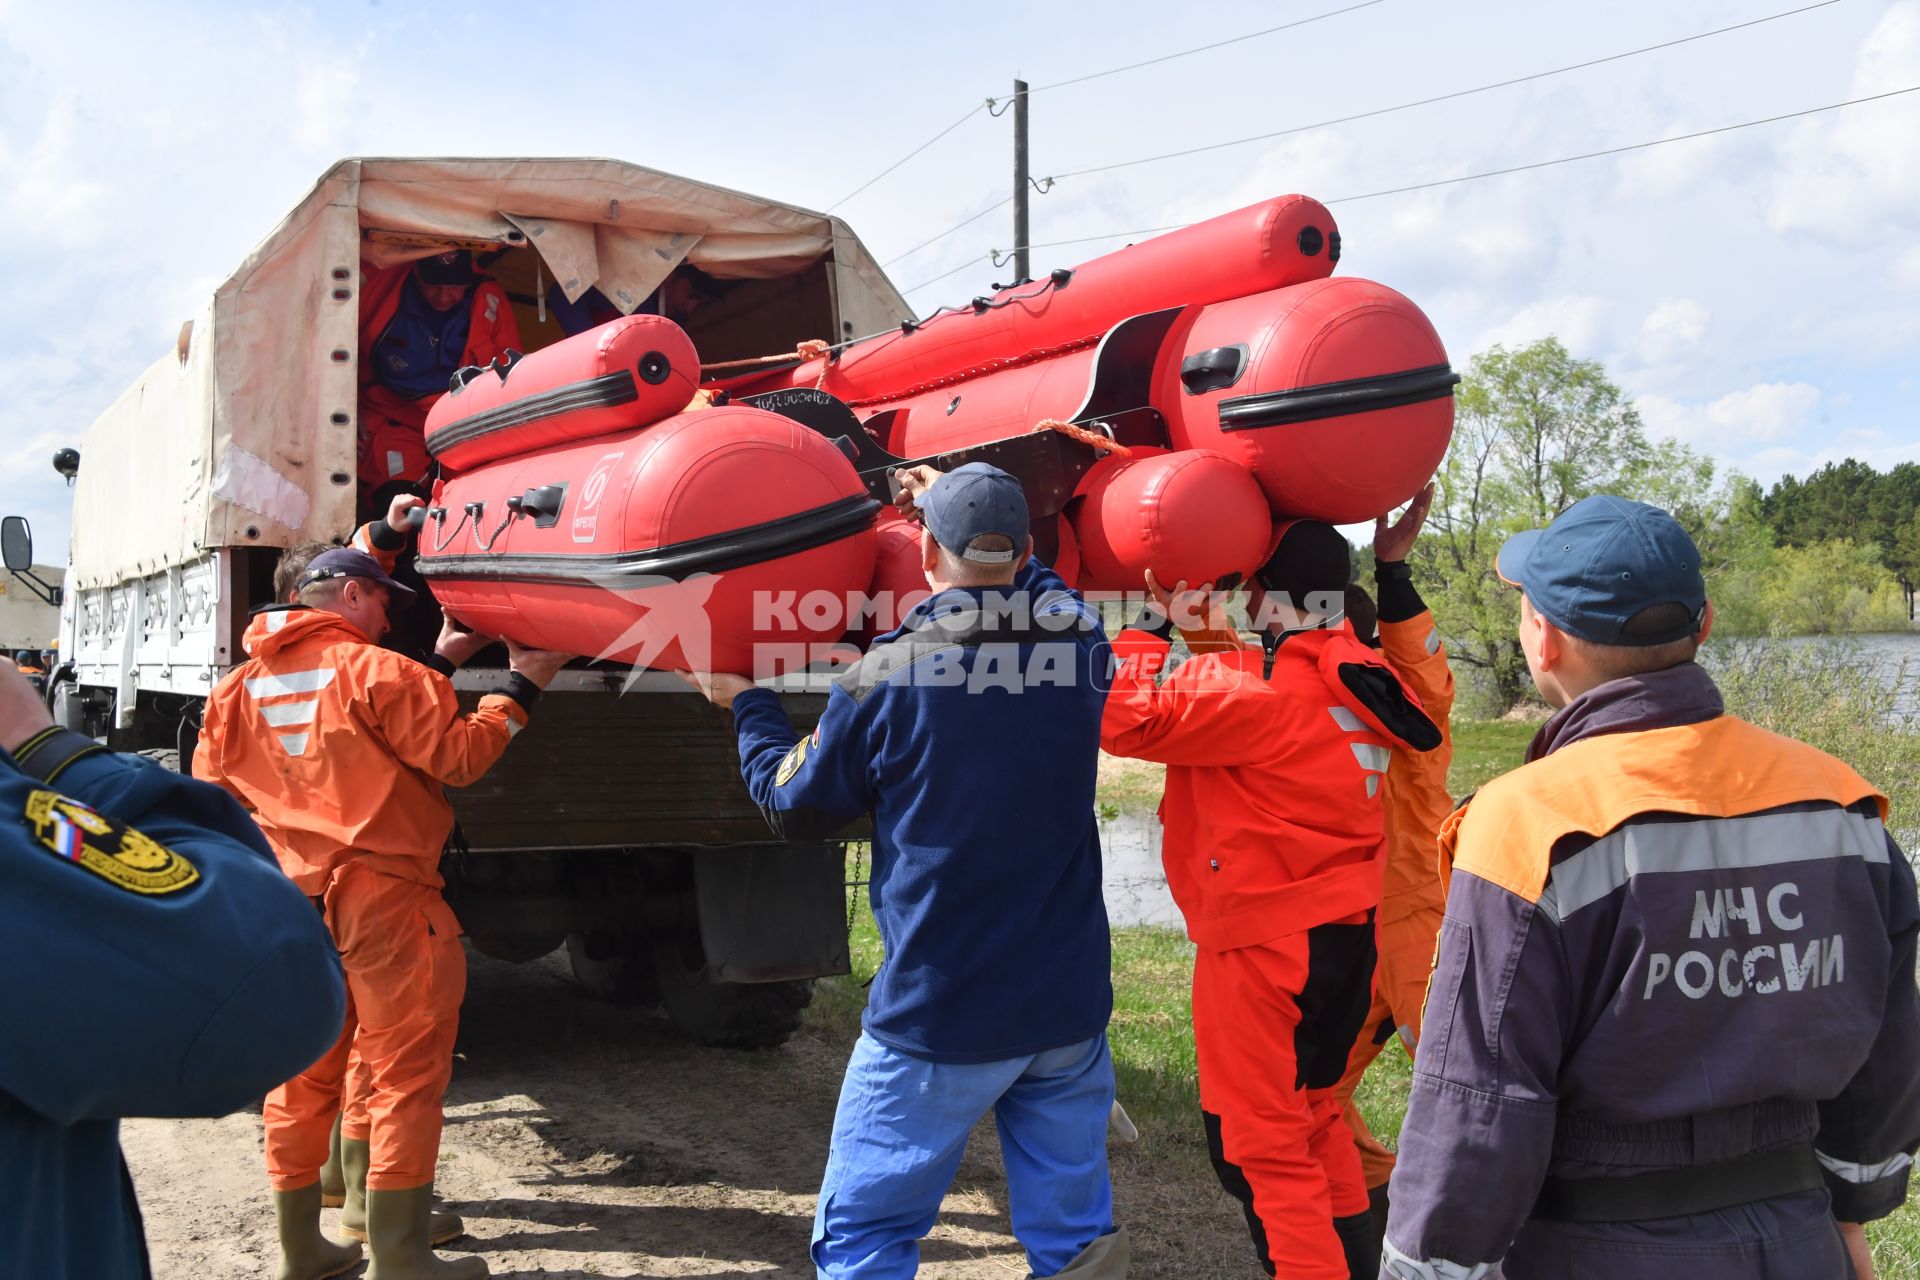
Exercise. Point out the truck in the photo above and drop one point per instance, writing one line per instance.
(618, 828)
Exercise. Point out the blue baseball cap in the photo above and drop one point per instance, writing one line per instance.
(1602, 561)
(345, 562)
(970, 501)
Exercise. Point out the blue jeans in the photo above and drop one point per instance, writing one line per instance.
(902, 1127)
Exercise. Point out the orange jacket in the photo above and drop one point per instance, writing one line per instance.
(1273, 812)
(341, 747)
(1416, 787)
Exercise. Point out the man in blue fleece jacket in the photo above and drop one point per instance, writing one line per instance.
(971, 734)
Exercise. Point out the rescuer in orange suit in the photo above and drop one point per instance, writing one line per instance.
(1413, 898)
(419, 324)
(1273, 847)
(342, 749)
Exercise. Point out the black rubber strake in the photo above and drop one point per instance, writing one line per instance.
(1338, 399)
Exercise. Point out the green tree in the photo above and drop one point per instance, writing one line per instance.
(1535, 431)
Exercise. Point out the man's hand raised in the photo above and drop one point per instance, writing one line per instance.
(1392, 543)
(399, 512)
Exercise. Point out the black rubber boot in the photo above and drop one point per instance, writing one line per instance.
(305, 1254)
(1377, 1202)
(397, 1238)
(355, 1157)
(1356, 1241)
(333, 1186)
(1105, 1259)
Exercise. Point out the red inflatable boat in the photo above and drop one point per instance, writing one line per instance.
(1192, 391)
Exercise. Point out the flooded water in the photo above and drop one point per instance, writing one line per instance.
(1134, 884)
(1893, 656)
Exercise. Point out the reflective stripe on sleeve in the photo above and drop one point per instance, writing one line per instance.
(1401, 1267)
(1861, 1174)
(1709, 844)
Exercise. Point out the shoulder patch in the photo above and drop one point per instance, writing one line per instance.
(108, 848)
(797, 756)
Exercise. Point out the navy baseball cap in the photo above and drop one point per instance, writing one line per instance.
(1602, 561)
(345, 562)
(973, 500)
(452, 267)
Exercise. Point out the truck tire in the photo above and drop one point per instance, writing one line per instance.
(726, 1015)
(613, 967)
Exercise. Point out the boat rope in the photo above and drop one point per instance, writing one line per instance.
(1105, 444)
(803, 351)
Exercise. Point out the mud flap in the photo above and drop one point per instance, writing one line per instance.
(770, 913)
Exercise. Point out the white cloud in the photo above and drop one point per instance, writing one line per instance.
(1674, 327)
(1853, 176)
(1576, 320)
(1767, 411)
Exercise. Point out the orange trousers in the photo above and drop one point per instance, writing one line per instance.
(1407, 938)
(406, 976)
(1272, 1027)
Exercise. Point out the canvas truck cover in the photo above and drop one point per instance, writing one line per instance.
(245, 435)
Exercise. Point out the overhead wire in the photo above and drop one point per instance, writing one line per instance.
(1443, 97)
(1365, 115)
(989, 104)
(1478, 176)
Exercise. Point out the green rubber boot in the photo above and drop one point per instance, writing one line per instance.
(1107, 1258)
(305, 1254)
(355, 1157)
(333, 1186)
(397, 1238)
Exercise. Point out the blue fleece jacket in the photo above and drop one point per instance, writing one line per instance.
(972, 735)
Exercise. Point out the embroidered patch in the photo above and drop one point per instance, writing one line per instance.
(791, 763)
(109, 849)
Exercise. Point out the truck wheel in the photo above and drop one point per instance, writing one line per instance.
(612, 967)
(726, 1015)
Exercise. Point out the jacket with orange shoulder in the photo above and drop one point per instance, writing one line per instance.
(1674, 991)
(343, 749)
(1273, 811)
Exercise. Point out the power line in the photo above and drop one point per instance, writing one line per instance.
(1368, 115)
(1444, 97)
(1486, 173)
(976, 110)
(1218, 44)
(990, 103)
(964, 222)
(1633, 146)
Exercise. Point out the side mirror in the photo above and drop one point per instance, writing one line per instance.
(16, 543)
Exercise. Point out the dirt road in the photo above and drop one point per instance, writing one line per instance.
(583, 1140)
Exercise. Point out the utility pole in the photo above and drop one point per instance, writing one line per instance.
(1020, 184)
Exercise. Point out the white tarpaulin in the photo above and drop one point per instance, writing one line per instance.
(252, 442)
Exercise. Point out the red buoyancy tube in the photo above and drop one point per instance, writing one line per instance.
(727, 539)
(1278, 242)
(1194, 516)
(629, 372)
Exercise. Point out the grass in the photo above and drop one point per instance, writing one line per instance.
(1152, 1028)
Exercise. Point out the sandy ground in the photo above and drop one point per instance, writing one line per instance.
(582, 1139)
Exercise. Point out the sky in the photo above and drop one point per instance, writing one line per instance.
(1756, 292)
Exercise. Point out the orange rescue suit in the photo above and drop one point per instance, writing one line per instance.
(1274, 847)
(392, 428)
(342, 750)
(1414, 896)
